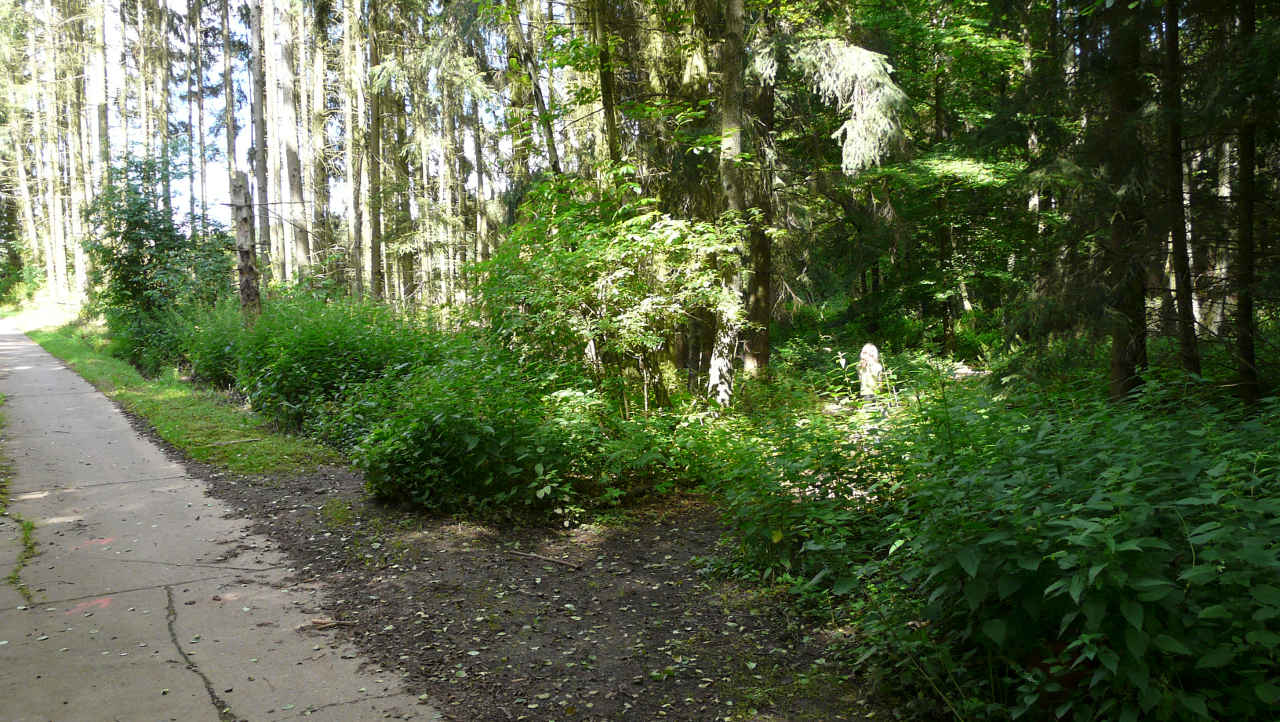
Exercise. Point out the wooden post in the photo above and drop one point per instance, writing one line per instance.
(250, 301)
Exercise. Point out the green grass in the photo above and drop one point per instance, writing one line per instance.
(28, 528)
(202, 423)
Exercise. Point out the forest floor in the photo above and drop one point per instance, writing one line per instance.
(600, 622)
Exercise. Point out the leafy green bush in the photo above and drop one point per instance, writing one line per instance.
(1086, 561)
(304, 351)
(144, 269)
(475, 430)
(210, 339)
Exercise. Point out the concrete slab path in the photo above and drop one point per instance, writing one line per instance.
(148, 602)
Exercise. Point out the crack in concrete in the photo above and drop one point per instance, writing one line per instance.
(312, 710)
(51, 393)
(115, 592)
(171, 616)
(77, 485)
(196, 565)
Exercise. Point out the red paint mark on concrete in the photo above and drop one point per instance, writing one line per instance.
(100, 542)
(102, 603)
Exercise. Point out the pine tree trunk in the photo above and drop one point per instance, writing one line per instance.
(1125, 244)
(1188, 350)
(607, 91)
(525, 55)
(262, 187)
(298, 248)
(353, 122)
(374, 144)
(1245, 262)
(732, 66)
(229, 93)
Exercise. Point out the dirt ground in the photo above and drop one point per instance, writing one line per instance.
(616, 621)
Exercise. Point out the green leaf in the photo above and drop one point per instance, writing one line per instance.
(1109, 659)
(1195, 703)
(1267, 594)
(1077, 588)
(1029, 563)
(1267, 692)
(1007, 584)
(1133, 613)
(1136, 642)
(975, 590)
(996, 629)
(1219, 657)
(1263, 638)
(968, 559)
(1171, 645)
(1216, 611)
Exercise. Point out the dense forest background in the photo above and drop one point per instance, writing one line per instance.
(958, 175)
(529, 257)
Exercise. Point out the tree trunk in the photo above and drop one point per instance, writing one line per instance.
(759, 296)
(199, 26)
(229, 93)
(525, 55)
(353, 123)
(732, 66)
(297, 246)
(607, 91)
(374, 145)
(1244, 271)
(1188, 350)
(250, 301)
(261, 185)
(1125, 244)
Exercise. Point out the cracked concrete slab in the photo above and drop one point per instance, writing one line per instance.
(150, 602)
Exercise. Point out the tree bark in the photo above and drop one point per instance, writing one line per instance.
(525, 55)
(1125, 243)
(297, 247)
(1245, 271)
(732, 66)
(607, 91)
(1188, 349)
(250, 300)
(261, 184)
(229, 92)
(374, 144)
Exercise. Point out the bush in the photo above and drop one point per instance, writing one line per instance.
(145, 271)
(475, 430)
(1089, 561)
(210, 339)
(305, 351)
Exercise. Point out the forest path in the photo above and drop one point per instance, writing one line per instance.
(146, 599)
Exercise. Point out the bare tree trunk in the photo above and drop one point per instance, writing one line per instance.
(1244, 271)
(204, 186)
(353, 121)
(374, 145)
(229, 93)
(241, 205)
(607, 91)
(1124, 250)
(525, 55)
(319, 233)
(1189, 351)
(162, 122)
(261, 185)
(732, 67)
(299, 251)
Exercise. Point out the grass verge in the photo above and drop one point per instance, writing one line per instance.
(28, 528)
(201, 422)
